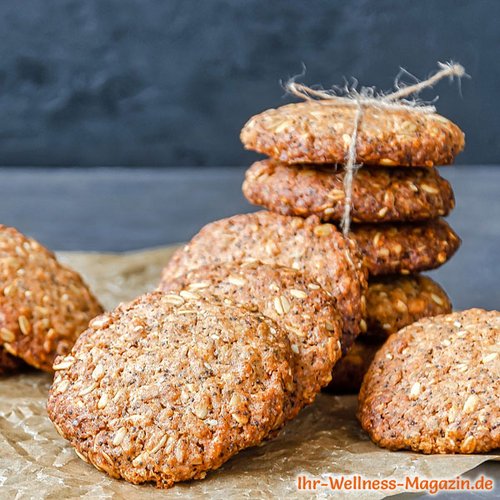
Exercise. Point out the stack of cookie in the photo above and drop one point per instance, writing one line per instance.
(398, 201)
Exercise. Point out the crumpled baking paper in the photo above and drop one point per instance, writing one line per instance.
(325, 439)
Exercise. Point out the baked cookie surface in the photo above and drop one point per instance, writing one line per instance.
(315, 132)
(44, 305)
(393, 302)
(379, 194)
(166, 388)
(295, 302)
(307, 245)
(406, 247)
(434, 387)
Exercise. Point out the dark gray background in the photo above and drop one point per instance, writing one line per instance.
(162, 83)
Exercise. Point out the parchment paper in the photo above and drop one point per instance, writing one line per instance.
(35, 462)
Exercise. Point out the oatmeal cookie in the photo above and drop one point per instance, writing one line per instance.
(307, 245)
(167, 388)
(295, 302)
(434, 386)
(406, 247)
(314, 132)
(379, 194)
(44, 305)
(393, 302)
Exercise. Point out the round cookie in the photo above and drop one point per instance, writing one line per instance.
(348, 373)
(405, 248)
(167, 388)
(8, 363)
(393, 302)
(379, 194)
(44, 305)
(316, 132)
(434, 387)
(316, 249)
(295, 302)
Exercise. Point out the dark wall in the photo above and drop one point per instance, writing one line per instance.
(171, 82)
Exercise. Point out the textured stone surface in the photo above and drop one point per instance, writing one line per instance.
(121, 82)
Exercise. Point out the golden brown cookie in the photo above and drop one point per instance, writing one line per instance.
(405, 248)
(348, 373)
(434, 387)
(379, 194)
(44, 305)
(393, 302)
(315, 132)
(316, 249)
(294, 301)
(167, 388)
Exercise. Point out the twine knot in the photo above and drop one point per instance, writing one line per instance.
(367, 97)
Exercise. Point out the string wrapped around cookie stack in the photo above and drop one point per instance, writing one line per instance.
(365, 161)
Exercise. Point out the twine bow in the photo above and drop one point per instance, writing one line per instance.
(367, 97)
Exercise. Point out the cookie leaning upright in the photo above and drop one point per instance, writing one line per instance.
(434, 387)
(295, 301)
(44, 306)
(166, 388)
(315, 132)
(307, 245)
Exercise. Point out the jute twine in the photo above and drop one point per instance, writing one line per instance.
(366, 98)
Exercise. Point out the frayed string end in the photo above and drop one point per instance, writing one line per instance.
(366, 97)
